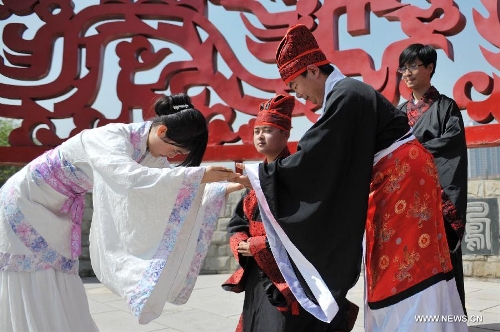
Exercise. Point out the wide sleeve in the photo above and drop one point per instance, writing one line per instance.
(441, 131)
(451, 130)
(151, 227)
(318, 196)
(284, 252)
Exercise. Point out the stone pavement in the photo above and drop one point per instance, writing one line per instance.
(210, 308)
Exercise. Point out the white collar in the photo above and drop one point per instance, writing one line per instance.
(330, 82)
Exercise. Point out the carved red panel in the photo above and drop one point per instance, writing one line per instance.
(186, 24)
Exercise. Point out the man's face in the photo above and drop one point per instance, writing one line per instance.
(416, 75)
(311, 87)
(269, 141)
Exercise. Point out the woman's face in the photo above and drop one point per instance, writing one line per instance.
(160, 146)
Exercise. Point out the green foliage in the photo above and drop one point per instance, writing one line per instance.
(6, 126)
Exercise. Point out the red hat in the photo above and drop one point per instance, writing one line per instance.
(297, 50)
(276, 112)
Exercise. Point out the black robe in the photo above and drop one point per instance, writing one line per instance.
(441, 131)
(319, 195)
(259, 314)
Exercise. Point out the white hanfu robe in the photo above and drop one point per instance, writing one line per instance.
(151, 228)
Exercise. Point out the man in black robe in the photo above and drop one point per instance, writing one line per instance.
(437, 123)
(269, 304)
(317, 199)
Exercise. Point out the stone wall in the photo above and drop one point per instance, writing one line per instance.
(482, 265)
(85, 266)
(220, 259)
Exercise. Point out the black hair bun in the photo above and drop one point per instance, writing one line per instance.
(172, 104)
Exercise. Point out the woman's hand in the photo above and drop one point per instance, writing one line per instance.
(218, 173)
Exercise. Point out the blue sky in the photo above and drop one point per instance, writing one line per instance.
(467, 54)
(466, 49)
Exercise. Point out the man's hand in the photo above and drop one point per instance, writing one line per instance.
(232, 187)
(244, 248)
(243, 180)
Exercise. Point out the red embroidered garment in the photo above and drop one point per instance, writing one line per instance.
(405, 228)
(450, 216)
(415, 110)
(259, 250)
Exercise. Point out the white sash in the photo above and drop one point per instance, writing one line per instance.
(281, 247)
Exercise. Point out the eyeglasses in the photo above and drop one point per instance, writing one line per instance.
(411, 68)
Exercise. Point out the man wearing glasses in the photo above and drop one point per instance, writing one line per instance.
(437, 123)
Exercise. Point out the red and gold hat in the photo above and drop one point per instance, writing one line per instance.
(276, 112)
(297, 50)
